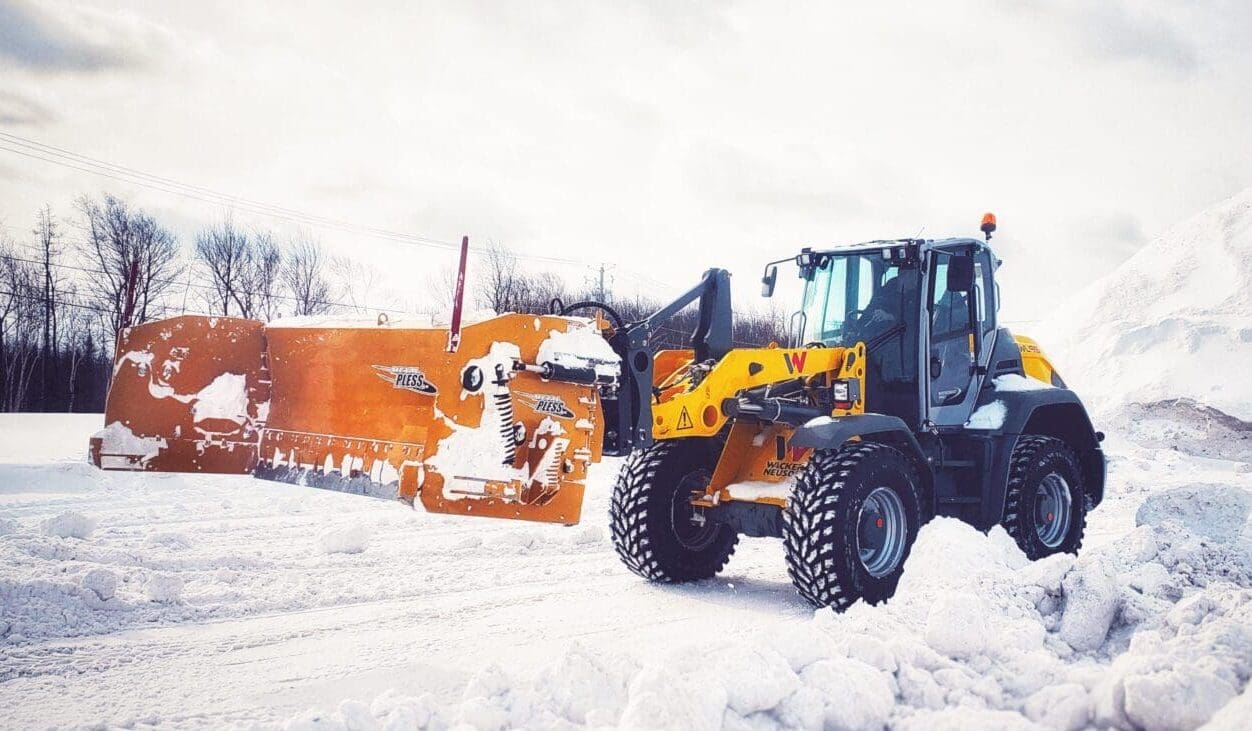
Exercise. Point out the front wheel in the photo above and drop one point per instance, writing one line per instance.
(850, 523)
(657, 532)
(1045, 507)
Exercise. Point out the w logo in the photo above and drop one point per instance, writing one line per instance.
(795, 361)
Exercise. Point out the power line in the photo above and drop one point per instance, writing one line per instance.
(66, 158)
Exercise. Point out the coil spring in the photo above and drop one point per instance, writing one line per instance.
(504, 412)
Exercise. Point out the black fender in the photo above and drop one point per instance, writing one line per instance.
(835, 431)
(1053, 412)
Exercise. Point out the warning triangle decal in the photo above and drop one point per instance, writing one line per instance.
(684, 419)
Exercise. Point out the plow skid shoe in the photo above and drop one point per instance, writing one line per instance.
(188, 394)
(379, 409)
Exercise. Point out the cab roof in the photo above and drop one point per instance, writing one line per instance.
(922, 245)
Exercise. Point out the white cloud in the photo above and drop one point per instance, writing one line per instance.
(669, 138)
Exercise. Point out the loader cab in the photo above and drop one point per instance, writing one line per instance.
(870, 294)
(924, 309)
(960, 324)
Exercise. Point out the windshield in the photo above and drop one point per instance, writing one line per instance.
(854, 297)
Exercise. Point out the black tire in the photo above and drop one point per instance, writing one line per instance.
(1037, 459)
(650, 513)
(822, 523)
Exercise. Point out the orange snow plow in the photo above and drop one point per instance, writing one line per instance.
(505, 426)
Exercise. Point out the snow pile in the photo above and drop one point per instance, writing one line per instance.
(68, 525)
(1175, 320)
(1182, 425)
(976, 637)
(346, 539)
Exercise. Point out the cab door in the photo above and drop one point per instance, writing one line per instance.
(961, 327)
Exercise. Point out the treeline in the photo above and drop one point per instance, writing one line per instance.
(71, 284)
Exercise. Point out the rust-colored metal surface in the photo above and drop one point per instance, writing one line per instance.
(389, 411)
(377, 409)
(188, 395)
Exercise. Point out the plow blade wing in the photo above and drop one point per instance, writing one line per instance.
(384, 410)
(188, 394)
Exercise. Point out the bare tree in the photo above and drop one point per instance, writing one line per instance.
(302, 276)
(21, 313)
(498, 280)
(138, 260)
(358, 283)
(264, 280)
(48, 245)
(242, 268)
(222, 251)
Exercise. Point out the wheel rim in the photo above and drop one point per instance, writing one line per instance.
(881, 531)
(1052, 510)
(693, 530)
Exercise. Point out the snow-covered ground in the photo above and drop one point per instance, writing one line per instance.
(203, 601)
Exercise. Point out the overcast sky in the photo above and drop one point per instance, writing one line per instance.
(660, 137)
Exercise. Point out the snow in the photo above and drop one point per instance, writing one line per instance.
(68, 525)
(988, 416)
(218, 585)
(225, 398)
(117, 439)
(1012, 382)
(346, 539)
(757, 489)
(581, 346)
(1173, 321)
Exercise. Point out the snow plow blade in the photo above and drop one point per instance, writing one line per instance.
(504, 427)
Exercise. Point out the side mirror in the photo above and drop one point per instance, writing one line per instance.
(961, 274)
(768, 281)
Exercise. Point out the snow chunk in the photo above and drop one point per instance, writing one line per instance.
(957, 626)
(1174, 701)
(988, 416)
(100, 581)
(164, 588)
(1219, 512)
(1234, 715)
(1010, 382)
(346, 539)
(1091, 602)
(1066, 707)
(582, 684)
(757, 489)
(967, 718)
(664, 698)
(855, 696)
(755, 679)
(117, 438)
(69, 525)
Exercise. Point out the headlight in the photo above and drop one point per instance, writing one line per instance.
(842, 391)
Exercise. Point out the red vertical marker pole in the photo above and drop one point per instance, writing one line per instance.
(454, 328)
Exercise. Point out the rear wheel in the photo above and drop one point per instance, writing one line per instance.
(1045, 507)
(850, 522)
(657, 533)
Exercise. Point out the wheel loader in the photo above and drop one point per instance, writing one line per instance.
(897, 397)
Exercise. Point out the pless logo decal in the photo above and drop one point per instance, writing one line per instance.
(546, 404)
(406, 377)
